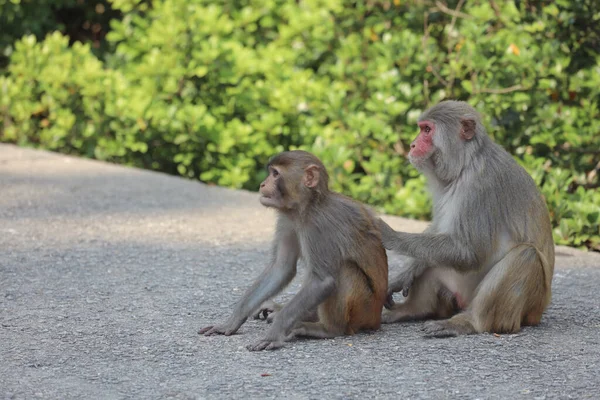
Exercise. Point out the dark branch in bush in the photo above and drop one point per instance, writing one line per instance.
(455, 13)
(501, 90)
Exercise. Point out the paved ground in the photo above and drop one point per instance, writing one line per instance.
(106, 274)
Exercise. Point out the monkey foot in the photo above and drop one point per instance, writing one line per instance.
(216, 330)
(227, 329)
(387, 318)
(266, 314)
(267, 311)
(444, 329)
(398, 313)
(265, 344)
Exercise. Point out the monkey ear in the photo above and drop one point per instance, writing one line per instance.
(311, 176)
(467, 130)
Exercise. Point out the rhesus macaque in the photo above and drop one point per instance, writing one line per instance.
(487, 259)
(338, 239)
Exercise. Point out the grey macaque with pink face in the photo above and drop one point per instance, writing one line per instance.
(487, 259)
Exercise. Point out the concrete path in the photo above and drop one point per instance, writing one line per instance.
(106, 274)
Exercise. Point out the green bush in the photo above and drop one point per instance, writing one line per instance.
(81, 20)
(211, 90)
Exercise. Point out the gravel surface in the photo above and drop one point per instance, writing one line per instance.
(107, 273)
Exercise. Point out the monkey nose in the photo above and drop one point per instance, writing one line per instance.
(413, 145)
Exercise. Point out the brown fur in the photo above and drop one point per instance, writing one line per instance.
(341, 245)
(487, 258)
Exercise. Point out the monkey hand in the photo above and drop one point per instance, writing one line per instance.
(402, 282)
(228, 328)
(389, 301)
(267, 343)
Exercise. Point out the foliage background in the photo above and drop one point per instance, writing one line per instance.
(211, 89)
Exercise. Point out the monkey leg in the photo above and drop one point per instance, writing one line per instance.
(352, 307)
(311, 316)
(460, 324)
(403, 281)
(269, 309)
(515, 291)
(512, 294)
(315, 330)
(360, 298)
(424, 301)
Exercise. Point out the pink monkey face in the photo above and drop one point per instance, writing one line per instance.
(422, 146)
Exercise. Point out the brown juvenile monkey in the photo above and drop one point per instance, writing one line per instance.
(488, 252)
(340, 243)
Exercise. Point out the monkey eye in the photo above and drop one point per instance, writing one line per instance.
(427, 129)
(275, 173)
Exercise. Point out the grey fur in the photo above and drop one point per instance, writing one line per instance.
(484, 206)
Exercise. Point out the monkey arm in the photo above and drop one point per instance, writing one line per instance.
(436, 249)
(314, 291)
(411, 269)
(275, 277)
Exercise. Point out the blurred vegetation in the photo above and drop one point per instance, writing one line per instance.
(211, 89)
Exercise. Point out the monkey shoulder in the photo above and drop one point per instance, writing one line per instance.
(355, 220)
(494, 200)
(351, 211)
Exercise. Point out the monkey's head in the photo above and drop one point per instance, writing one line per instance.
(449, 132)
(295, 179)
